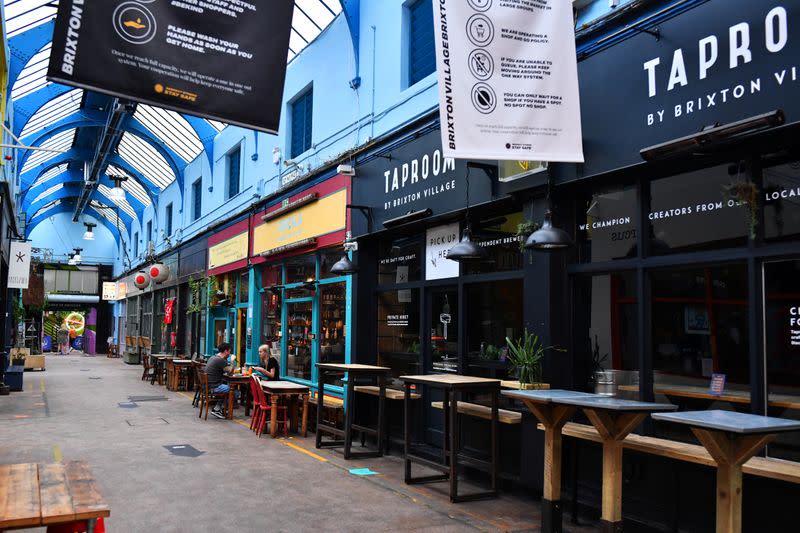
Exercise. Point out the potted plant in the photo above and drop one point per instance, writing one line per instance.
(525, 356)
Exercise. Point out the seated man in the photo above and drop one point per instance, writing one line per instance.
(215, 369)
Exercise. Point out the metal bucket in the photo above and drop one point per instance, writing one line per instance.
(604, 383)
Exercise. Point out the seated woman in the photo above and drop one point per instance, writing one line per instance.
(272, 372)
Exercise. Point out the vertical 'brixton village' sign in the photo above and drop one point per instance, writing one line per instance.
(223, 60)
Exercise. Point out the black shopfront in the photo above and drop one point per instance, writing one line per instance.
(686, 217)
(418, 312)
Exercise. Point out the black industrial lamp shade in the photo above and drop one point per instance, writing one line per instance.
(344, 266)
(466, 250)
(548, 238)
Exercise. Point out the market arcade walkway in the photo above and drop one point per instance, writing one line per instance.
(238, 482)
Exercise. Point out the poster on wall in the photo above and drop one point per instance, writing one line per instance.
(223, 60)
(438, 241)
(508, 80)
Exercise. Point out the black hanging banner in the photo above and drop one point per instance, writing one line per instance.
(220, 59)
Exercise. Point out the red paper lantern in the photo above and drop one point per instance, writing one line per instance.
(158, 272)
(141, 280)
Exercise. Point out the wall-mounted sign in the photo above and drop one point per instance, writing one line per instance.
(438, 242)
(228, 251)
(224, 60)
(508, 81)
(19, 265)
(122, 290)
(323, 216)
(110, 291)
(724, 61)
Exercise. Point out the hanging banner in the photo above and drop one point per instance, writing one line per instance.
(19, 265)
(221, 59)
(508, 80)
(169, 306)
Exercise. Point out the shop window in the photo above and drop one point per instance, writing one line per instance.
(136, 244)
(168, 220)
(244, 288)
(271, 331)
(399, 261)
(444, 317)
(146, 328)
(606, 335)
(399, 346)
(234, 170)
(300, 269)
(701, 209)
(149, 236)
(299, 332)
(782, 347)
(782, 201)
(494, 313)
(421, 50)
(333, 323)
(498, 236)
(327, 259)
(302, 109)
(606, 225)
(197, 199)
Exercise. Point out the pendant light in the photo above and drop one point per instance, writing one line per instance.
(466, 249)
(117, 194)
(89, 235)
(344, 265)
(77, 256)
(548, 238)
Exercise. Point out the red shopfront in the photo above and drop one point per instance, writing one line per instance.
(302, 311)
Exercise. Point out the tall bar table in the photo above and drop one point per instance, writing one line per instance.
(451, 385)
(731, 439)
(354, 372)
(613, 419)
(553, 416)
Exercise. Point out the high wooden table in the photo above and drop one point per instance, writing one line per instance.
(354, 373)
(34, 495)
(731, 439)
(291, 391)
(451, 385)
(175, 367)
(613, 419)
(552, 416)
(159, 362)
(241, 382)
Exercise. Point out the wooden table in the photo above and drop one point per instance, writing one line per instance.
(174, 369)
(451, 385)
(159, 360)
(354, 372)
(613, 419)
(552, 416)
(241, 382)
(34, 495)
(292, 392)
(785, 401)
(731, 439)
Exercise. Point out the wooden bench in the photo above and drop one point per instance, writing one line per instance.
(504, 416)
(692, 453)
(330, 402)
(391, 394)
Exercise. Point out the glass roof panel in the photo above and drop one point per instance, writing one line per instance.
(110, 213)
(32, 77)
(50, 174)
(47, 193)
(131, 185)
(309, 19)
(146, 159)
(217, 125)
(172, 129)
(61, 141)
(47, 207)
(53, 111)
(124, 205)
(22, 15)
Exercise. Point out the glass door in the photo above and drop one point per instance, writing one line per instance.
(299, 336)
(443, 313)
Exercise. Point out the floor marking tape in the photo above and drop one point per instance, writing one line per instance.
(303, 450)
(57, 453)
(41, 384)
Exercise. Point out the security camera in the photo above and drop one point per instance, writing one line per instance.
(289, 162)
(346, 170)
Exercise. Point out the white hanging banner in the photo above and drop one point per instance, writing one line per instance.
(19, 266)
(508, 80)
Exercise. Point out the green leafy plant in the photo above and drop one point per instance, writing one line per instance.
(524, 229)
(526, 355)
(196, 287)
(744, 193)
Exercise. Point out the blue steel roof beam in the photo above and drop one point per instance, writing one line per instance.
(85, 118)
(28, 105)
(176, 162)
(206, 133)
(66, 208)
(106, 145)
(26, 45)
(75, 179)
(27, 196)
(73, 190)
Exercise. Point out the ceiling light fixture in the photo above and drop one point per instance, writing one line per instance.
(466, 249)
(89, 235)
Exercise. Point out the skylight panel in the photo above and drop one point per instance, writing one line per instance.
(53, 111)
(310, 18)
(47, 193)
(22, 15)
(61, 141)
(146, 159)
(32, 78)
(172, 129)
(123, 204)
(216, 124)
(50, 174)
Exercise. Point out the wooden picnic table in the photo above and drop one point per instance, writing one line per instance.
(731, 439)
(34, 495)
(785, 401)
(295, 393)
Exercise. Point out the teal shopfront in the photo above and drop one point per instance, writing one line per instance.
(300, 310)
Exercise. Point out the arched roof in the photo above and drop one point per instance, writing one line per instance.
(151, 153)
